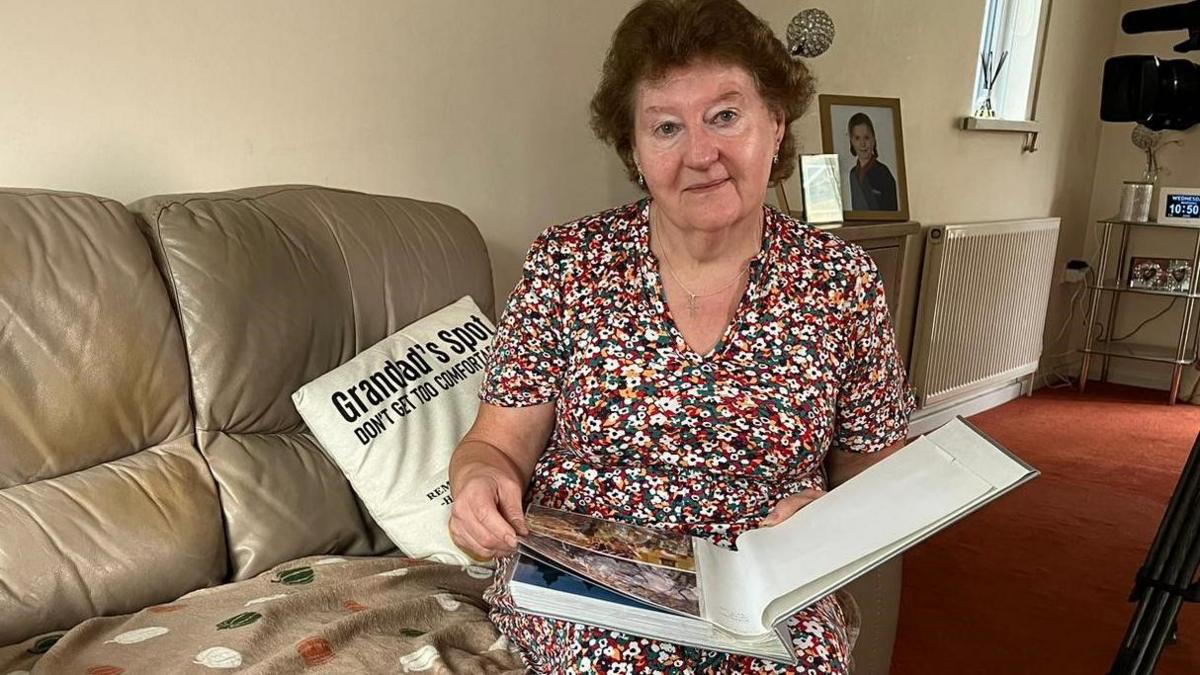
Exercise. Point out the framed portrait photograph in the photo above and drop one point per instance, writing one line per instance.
(867, 136)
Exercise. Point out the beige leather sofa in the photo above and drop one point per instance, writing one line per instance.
(148, 444)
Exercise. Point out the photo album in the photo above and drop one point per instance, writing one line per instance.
(686, 590)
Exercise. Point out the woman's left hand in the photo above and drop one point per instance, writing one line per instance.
(790, 505)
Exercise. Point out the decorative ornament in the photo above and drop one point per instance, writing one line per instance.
(809, 34)
(990, 76)
(1150, 142)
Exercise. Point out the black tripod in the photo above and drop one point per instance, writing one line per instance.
(1167, 578)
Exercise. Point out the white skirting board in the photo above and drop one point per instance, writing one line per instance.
(1122, 371)
(925, 420)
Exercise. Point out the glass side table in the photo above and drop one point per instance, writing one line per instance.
(1182, 353)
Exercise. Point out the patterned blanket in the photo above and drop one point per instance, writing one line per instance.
(331, 615)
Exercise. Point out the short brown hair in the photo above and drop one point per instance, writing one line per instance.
(860, 119)
(658, 35)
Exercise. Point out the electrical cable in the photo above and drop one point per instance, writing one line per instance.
(1142, 324)
(1080, 294)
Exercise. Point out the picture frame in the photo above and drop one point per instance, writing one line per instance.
(1172, 275)
(821, 187)
(882, 195)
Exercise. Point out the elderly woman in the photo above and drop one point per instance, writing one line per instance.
(695, 361)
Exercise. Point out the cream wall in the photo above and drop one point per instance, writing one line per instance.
(478, 103)
(483, 104)
(1118, 160)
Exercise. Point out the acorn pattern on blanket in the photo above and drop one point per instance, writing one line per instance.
(307, 614)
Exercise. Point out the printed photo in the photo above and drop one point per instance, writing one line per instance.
(638, 544)
(535, 572)
(671, 589)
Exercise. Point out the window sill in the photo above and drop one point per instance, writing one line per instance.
(996, 124)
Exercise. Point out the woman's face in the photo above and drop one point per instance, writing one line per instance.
(704, 139)
(863, 141)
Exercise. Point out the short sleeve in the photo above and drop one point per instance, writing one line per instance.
(528, 355)
(874, 398)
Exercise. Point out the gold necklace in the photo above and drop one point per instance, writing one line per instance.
(693, 303)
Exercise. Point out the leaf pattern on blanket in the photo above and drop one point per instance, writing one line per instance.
(240, 620)
(315, 651)
(44, 643)
(422, 659)
(218, 658)
(140, 635)
(295, 577)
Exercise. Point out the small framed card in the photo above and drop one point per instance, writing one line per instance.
(822, 189)
(1161, 274)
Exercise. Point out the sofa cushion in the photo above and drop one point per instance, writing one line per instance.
(105, 503)
(275, 286)
(391, 417)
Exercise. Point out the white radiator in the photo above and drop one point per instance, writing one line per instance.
(982, 309)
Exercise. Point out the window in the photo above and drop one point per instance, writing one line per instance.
(1013, 30)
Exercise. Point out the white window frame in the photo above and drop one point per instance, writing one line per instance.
(1018, 26)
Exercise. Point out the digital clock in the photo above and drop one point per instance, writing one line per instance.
(1179, 206)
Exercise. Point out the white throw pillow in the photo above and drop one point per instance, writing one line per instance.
(391, 417)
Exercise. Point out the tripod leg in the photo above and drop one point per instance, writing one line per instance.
(1181, 567)
(1171, 563)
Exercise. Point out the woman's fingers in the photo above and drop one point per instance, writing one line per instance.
(477, 523)
(493, 530)
(473, 535)
(468, 543)
(512, 508)
(789, 505)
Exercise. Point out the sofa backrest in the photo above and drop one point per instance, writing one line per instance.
(275, 286)
(106, 506)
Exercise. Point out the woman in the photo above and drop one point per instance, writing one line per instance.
(872, 187)
(694, 361)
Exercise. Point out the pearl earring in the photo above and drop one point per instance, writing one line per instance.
(775, 159)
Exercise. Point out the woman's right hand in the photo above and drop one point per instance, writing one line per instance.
(487, 514)
(488, 474)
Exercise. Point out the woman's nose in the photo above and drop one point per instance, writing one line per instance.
(702, 148)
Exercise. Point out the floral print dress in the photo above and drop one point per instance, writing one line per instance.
(647, 431)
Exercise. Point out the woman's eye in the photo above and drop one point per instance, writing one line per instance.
(666, 128)
(726, 116)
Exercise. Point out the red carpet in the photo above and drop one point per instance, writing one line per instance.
(1037, 582)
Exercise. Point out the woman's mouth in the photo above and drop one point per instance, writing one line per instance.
(707, 187)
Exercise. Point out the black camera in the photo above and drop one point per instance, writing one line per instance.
(1158, 93)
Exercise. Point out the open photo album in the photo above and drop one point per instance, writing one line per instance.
(686, 590)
